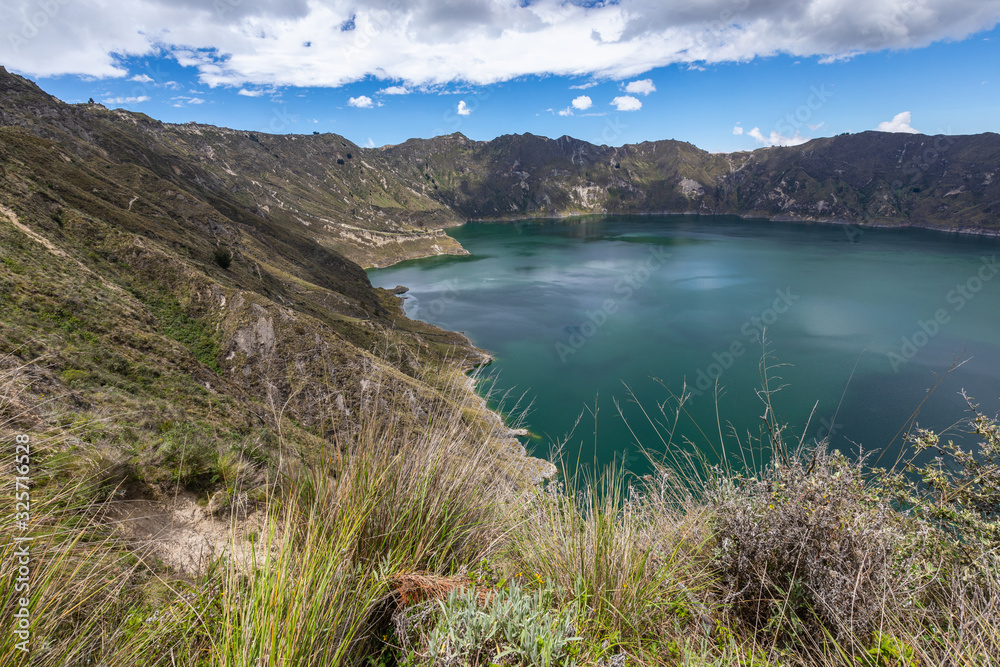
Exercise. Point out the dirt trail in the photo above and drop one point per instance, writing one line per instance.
(185, 536)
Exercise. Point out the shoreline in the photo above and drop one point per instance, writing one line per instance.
(535, 469)
(971, 231)
(965, 231)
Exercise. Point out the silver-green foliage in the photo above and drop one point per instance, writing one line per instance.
(510, 626)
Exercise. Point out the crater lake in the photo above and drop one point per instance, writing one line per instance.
(598, 324)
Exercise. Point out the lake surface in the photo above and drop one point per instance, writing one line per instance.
(579, 311)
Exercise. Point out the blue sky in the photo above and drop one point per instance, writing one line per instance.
(723, 74)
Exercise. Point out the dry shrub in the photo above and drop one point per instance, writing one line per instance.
(806, 549)
(410, 588)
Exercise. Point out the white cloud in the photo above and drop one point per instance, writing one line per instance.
(395, 90)
(583, 86)
(626, 103)
(776, 138)
(899, 123)
(738, 129)
(369, 143)
(428, 42)
(566, 112)
(126, 100)
(582, 103)
(249, 93)
(142, 78)
(361, 101)
(181, 100)
(463, 110)
(641, 87)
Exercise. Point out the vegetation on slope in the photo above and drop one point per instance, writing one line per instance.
(391, 549)
(187, 336)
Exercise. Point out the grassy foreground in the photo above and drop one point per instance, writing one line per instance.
(425, 550)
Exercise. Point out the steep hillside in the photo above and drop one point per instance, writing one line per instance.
(322, 186)
(182, 335)
(945, 182)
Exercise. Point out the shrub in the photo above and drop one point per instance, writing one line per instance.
(223, 257)
(958, 491)
(806, 550)
(889, 651)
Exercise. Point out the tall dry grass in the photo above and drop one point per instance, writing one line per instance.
(788, 555)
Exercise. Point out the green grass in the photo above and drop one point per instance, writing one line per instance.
(191, 332)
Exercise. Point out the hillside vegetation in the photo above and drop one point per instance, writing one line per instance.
(239, 452)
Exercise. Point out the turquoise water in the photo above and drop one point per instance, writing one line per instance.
(610, 315)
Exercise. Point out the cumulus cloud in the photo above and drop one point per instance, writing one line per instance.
(463, 110)
(249, 93)
(142, 78)
(626, 103)
(776, 138)
(428, 42)
(899, 123)
(395, 90)
(585, 86)
(641, 87)
(565, 112)
(126, 100)
(583, 103)
(738, 129)
(181, 100)
(361, 101)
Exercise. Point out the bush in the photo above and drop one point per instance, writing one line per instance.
(223, 257)
(806, 550)
(958, 491)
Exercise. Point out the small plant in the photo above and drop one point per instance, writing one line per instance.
(958, 490)
(889, 651)
(508, 626)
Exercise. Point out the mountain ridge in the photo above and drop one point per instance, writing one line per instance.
(380, 205)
